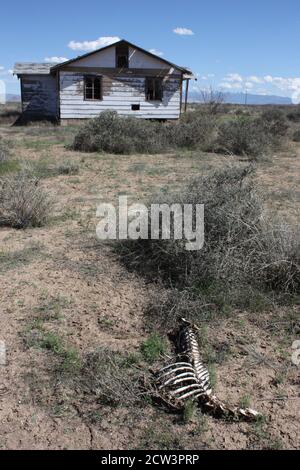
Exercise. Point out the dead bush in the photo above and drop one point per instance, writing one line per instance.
(112, 378)
(23, 203)
(232, 214)
(242, 253)
(276, 259)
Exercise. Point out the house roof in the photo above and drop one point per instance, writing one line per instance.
(46, 68)
(24, 68)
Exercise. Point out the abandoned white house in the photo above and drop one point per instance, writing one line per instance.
(121, 77)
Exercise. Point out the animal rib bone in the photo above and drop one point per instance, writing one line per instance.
(189, 378)
(178, 379)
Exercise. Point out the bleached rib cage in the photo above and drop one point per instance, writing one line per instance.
(188, 379)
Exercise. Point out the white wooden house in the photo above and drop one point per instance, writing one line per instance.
(121, 77)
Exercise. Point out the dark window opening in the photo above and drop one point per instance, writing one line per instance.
(92, 88)
(135, 107)
(122, 53)
(154, 89)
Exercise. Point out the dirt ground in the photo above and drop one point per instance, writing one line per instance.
(86, 296)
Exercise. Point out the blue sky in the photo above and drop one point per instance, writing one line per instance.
(232, 45)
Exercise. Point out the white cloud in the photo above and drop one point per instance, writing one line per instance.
(207, 77)
(255, 79)
(183, 31)
(1, 67)
(3, 71)
(288, 86)
(233, 77)
(231, 86)
(93, 45)
(156, 52)
(55, 60)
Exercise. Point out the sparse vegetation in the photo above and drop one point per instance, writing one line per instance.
(153, 348)
(4, 152)
(9, 113)
(189, 412)
(37, 336)
(16, 259)
(111, 377)
(93, 331)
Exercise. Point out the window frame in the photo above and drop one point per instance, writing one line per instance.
(122, 51)
(154, 79)
(92, 77)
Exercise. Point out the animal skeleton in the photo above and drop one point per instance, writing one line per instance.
(187, 378)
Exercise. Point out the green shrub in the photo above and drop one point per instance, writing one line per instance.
(245, 136)
(121, 135)
(23, 203)
(274, 121)
(125, 135)
(153, 348)
(67, 168)
(296, 136)
(194, 130)
(294, 115)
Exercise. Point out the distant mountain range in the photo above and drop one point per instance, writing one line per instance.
(10, 97)
(241, 98)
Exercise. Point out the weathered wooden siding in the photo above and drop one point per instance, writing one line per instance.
(119, 94)
(39, 96)
(139, 60)
(107, 58)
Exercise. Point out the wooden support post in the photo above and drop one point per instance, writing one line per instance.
(186, 94)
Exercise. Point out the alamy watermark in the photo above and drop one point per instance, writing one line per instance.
(158, 222)
(2, 92)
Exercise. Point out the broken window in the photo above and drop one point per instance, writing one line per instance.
(122, 53)
(154, 89)
(92, 88)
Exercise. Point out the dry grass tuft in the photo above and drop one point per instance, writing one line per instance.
(23, 203)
